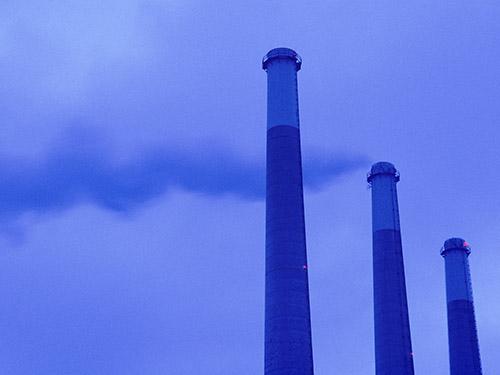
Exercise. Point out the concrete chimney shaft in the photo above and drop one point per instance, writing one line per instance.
(288, 348)
(462, 332)
(393, 352)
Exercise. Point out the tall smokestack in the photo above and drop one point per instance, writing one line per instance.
(393, 353)
(462, 333)
(288, 347)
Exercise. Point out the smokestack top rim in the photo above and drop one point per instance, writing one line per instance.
(455, 243)
(382, 167)
(282, 52)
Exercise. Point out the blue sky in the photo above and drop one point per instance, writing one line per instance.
(132, 152)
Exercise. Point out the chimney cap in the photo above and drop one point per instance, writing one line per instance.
(455, 243)
(282, 53)
(383, 167)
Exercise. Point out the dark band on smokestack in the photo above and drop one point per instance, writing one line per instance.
(393, 352)
(288, 348)
(462, 332)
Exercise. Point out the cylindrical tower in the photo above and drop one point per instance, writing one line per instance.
(462, 333)
(288, 347)
(393, 353)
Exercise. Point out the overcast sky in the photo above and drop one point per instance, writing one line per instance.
(132, 149)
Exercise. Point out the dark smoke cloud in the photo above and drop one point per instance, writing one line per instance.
(73, 174)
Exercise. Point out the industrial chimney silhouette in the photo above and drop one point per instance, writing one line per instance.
(288, 348)
(393, 353)
(462, 333)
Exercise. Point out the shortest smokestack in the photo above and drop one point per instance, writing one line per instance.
(462, 332)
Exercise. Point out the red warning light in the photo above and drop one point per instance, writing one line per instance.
(466, 244)
(304, 267)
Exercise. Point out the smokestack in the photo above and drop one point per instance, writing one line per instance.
(393, 353)
(288, 347)
(462, 333)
